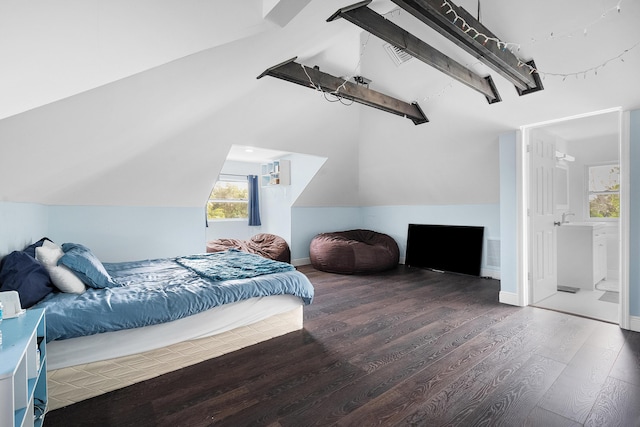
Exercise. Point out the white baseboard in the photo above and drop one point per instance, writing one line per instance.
(634, 323)
(300, 261)
(509, 298)
(494, 274)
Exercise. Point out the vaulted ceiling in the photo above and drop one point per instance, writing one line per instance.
(130, 103)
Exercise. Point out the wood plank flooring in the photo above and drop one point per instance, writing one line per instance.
(408, 347)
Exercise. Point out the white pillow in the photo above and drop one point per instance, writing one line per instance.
(50, 244)
(63, 278)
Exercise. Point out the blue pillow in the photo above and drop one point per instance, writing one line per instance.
(31, 249)
(86, 266)
(24, 274)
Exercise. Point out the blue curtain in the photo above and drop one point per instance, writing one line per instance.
(254, 203)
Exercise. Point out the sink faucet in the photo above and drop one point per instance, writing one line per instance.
(565, 215)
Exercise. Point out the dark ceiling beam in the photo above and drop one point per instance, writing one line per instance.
(377, 25)
(502, 60)
(313, 78)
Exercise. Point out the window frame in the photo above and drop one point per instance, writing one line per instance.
(246, 201)
(588, 193)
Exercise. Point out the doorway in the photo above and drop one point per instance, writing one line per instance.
(574, 259)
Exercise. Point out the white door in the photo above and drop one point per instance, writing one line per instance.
(543, 263)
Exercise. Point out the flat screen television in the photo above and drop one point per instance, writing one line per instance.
(450, 248)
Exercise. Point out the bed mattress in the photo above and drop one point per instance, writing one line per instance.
(109, 345)
(79, 382)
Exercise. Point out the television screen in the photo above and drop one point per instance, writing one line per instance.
(451, 248)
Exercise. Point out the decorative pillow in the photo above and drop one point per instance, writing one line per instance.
(63, 278)
(86, 265)
(31, 249)
(49, 244)
(24, 274)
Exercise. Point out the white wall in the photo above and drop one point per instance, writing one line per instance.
(73, 47)
(590, 152)
(447, 161)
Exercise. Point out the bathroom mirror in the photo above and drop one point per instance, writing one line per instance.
(561, 187)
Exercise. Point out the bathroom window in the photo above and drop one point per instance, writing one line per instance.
(604, 191)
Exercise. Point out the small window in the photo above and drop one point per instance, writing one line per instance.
(604, 191)
(228, 200)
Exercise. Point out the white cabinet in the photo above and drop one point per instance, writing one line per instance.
(23, 370)
(277, 172)
(582, 254)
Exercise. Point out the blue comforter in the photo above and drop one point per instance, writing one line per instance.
(163, 290)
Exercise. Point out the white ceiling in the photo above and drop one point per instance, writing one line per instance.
(52, 50)
(143, 99)
(245, 153)
(592, 126)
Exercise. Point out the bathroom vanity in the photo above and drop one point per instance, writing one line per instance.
(582, 254)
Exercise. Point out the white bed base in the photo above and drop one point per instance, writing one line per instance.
(85, 367)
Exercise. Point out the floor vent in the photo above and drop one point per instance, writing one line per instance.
(398, 55)
(493, 253)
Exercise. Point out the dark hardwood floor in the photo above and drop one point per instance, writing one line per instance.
(408, 347)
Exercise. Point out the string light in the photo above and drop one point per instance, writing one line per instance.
(356, 68)
(335, 95)
(474, 32)
(464, 26)
(469, 29)
(484, 39)
(327, 95)
(582, 72)
(584, 29)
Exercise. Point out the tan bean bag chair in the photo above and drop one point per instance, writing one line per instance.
(354, 252)
(263, 244)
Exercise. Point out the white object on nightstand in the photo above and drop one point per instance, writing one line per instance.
(11, 304)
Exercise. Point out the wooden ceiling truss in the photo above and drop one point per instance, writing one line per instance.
(439, 16)
(365, 18)
(315, 79)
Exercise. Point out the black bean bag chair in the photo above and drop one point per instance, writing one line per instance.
(354, 252)
(263, 244)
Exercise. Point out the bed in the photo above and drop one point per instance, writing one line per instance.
(156, 316)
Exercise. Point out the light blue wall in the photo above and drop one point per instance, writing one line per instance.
(21, 224)
(392, 220)
(306, 222)
(508, 214)
(117, 234)
(112, 233)
(634, 215)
